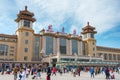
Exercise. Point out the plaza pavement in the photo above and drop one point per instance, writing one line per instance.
(67, 76)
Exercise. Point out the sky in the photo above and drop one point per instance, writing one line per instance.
(104, 15)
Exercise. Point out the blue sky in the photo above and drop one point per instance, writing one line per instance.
(104, 15)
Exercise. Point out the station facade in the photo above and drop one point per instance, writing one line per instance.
(53, 47)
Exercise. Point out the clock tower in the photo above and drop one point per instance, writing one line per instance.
(89, 40)
(25, 35)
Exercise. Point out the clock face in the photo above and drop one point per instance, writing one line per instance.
(26, 23)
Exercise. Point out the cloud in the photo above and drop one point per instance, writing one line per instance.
(103, 14)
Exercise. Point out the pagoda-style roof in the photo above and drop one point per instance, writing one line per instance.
(26, 15)
(88, 29)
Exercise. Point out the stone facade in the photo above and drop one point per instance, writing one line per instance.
(49, 46)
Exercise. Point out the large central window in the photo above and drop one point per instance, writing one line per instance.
(49, 45)
(74, 47)
(62, 46)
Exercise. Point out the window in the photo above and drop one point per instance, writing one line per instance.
(74, 47)
(11, 54)
(49, 45)
(26, 49)
(26, 23)
(11, 50)
(25, 58)
(93, 43)
(119, 57)
(110, 56)
(26, 34)
(62, 46)
(13, 40)
(12, 47)
(100, 54)
(114, 57)
(105, 56)
(93, 49)
(3, 49)
(36, 48)
(26, 41)
(92, 35)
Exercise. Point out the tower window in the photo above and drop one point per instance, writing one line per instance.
(92, 35)
(26, 49)
(26, 34)
(26, 23)
(26, 41)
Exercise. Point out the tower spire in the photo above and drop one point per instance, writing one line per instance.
(26, 8)
(88, 23)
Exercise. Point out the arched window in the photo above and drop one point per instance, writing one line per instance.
(62, 46)
(74, 46)
(49, 45)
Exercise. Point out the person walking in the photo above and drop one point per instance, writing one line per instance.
(107, 73)
(27, 72)
(92, 71)
(74, 72)
(78, 70)
(23, 74)
(48, 73)
(54, 70)
(15, 71)
(38, 72)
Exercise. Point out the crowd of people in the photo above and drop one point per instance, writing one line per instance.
(22, 71)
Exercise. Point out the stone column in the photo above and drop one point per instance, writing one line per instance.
(54, 46)
(58, 49)
(111, 57)
(80, 48)
(67, 47)
(58, 45)
(70, 42)
(44, 45)
(107, 56)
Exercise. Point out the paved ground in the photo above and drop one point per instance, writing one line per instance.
(67, 76)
